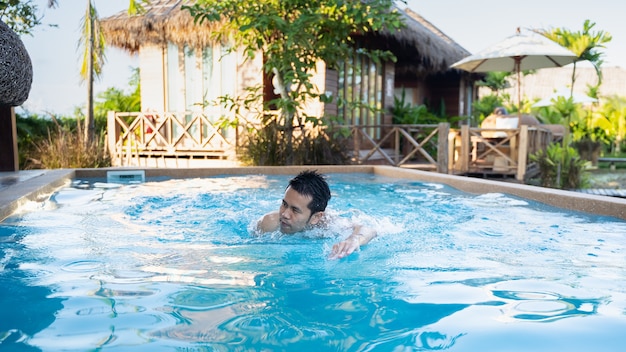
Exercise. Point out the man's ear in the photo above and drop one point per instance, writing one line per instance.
(316, 218)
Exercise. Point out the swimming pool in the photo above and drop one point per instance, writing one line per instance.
(173, 265)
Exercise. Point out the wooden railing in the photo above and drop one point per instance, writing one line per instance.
(132, 136)
(151, 134)
(418, 146)
(471, 152)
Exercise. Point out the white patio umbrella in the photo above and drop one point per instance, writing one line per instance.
(518, 53)
(565, 93)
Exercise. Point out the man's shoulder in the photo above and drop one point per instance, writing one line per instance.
(269, 222)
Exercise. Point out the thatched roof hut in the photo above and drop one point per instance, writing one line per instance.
(420, 46)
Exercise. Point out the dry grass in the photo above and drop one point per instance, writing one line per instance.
(65, 148)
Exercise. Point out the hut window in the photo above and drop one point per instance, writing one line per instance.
(360, 91)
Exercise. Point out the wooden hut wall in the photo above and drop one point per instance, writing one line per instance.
(389, 76)
(443, 88)
(413, 88)
(331, 87)
(152, 77)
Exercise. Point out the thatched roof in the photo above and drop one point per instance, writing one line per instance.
(423, 47)
(419, 46)
(162, 21)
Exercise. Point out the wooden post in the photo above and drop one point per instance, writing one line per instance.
(396, 158)
(9, 159)
(442, 147)
(452, 155)
(113, 133)
(357, 143)
(465, 148)
(522, 153)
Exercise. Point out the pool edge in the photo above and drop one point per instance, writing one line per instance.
(35, 189)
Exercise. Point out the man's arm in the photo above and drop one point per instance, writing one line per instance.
(360, 236)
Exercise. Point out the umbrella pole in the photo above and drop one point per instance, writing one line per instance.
(519, 89)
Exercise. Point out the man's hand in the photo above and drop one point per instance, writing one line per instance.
(360, 236)
(345, 247)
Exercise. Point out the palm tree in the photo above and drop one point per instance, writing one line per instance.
(93, 43)
(93, 59)
(585, 44)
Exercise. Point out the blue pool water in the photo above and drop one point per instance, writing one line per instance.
(174, 265)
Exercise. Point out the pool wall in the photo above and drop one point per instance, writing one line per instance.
(41, 186)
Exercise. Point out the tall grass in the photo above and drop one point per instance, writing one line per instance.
(66, 148)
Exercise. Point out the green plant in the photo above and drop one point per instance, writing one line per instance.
(65, 148)
(313, 145)
(613, 110)
(496, 81)
(31, 130)
(20, 16)
(548, 115)
(263, 142)
(403, 113)
(586, 44)
(590, 129)
(560, 167)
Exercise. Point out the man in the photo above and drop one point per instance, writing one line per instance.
(303, 207)
(500, 119)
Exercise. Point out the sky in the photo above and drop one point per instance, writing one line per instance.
(474, 25)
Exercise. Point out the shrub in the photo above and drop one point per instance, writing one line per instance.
(560, 167)
(311, 146)
(31, 130)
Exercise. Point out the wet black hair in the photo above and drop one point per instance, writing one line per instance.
(313, 184)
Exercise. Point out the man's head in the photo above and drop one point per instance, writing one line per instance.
(500, 111)
(313, 185)
(305, 200)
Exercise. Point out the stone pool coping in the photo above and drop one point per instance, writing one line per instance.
(20, 188)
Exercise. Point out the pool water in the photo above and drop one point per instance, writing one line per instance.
(175, 265)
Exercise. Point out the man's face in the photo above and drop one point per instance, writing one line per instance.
(295, 214)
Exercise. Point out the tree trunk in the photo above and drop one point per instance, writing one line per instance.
(280, 88)
(9, 160)
(89, 119)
